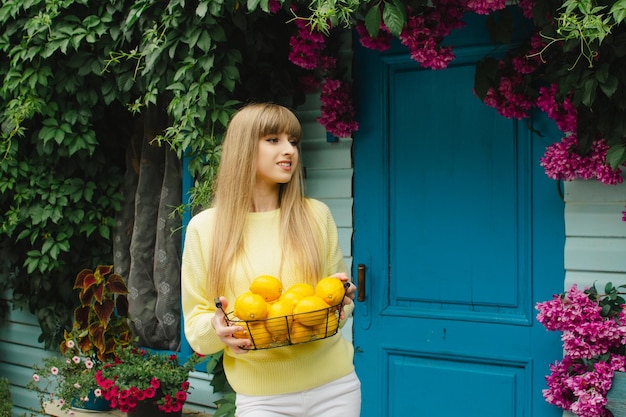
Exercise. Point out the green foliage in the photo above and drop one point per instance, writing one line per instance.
(133, 372)
(6, 402)
(584, 54)
(592, 31)
(69, 378)
(61, 167)
(327, 14)
(611, 302)
(226, 404)
(77, 76)
(99, 329)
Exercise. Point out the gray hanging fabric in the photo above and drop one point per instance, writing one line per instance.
(147, 241)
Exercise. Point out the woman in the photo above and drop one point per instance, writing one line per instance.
(261, 224)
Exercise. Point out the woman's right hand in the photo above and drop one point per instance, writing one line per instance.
(226, 332)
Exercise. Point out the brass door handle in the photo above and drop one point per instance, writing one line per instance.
(361, 283)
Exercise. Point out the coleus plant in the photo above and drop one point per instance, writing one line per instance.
(101, 319)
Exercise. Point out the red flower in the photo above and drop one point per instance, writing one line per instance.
(149, 392)
(155, 383)
(181, 396)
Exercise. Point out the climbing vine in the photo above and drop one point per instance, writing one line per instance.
(78, 76)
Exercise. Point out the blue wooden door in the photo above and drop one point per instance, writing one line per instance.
(460, 233)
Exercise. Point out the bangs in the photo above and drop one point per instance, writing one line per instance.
(275, 119)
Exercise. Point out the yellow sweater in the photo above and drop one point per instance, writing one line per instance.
(268, 371)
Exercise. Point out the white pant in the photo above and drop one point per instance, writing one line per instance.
(339, 398)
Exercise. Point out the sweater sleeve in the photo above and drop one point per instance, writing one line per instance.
(198, 307)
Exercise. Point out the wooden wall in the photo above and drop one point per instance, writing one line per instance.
(595, 244)
(19, 350)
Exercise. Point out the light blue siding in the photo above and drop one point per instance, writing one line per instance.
(19, 350)
(595, 233)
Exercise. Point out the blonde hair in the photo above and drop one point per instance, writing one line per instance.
(233, 196)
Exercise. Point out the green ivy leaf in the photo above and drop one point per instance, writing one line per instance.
(47, 244)
(253, 4)
(204, 42)
(485, 76)
(372, 20)
(609, 86)
(202, 9)
(616, 155)
(618, 10)
(589, 91)
(104, 231)
(394, 16)
(136, 11)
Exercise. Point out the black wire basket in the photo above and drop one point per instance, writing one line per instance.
(287, 330)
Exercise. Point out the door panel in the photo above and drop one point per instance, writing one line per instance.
(461, 233)
(445, 161)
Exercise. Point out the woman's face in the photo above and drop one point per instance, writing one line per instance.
(277, 159)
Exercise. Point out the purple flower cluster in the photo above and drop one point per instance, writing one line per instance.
(426, 29)
(274, 6)
(309, 51)
(561, 161)
(337, 110)
(594, 350)
(380, 43)
(564, 114)
(527, 7)
(529, 61)
(512, 97)
(307, 46)
(485, 6)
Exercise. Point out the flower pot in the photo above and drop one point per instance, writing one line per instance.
(93, 403)
(148, 408)
(616, 397)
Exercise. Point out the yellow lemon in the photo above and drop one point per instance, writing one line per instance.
(279, 318)
(300, 333)
(244, 334)
(311, 311)
(327, 329)
(261, 338)
(331, 290)
(297, 292)
(250, 306)
(302, 288)
(267, 286)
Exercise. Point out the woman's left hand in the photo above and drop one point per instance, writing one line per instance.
(350, 290)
